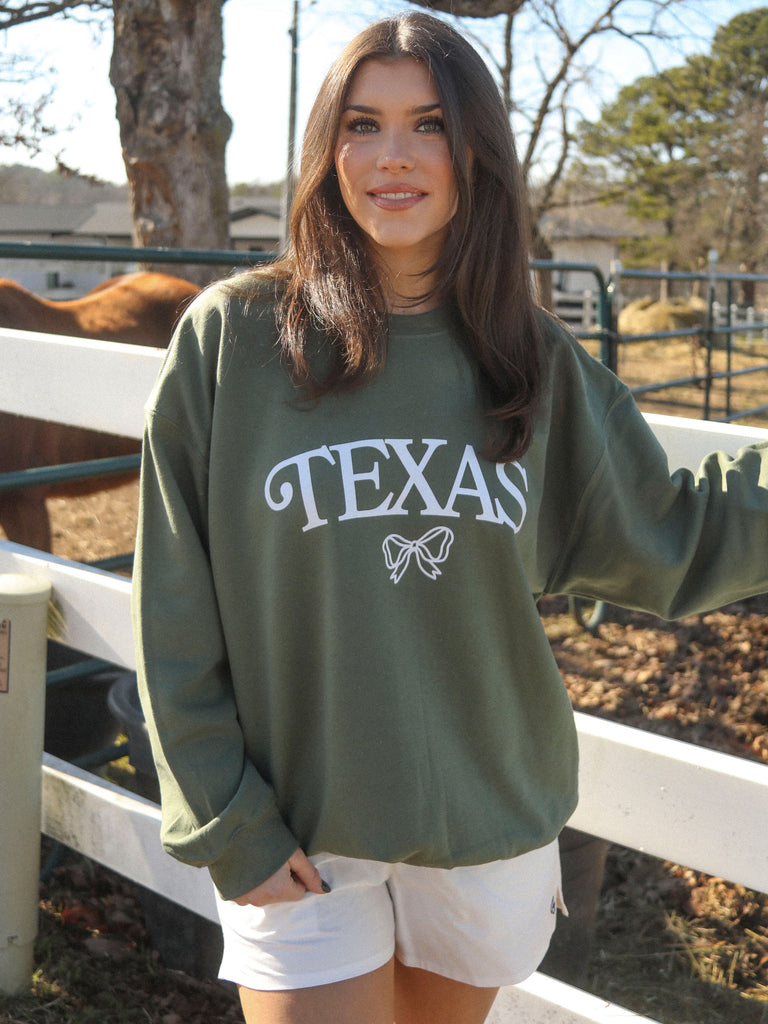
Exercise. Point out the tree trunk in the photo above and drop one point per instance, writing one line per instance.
(540, 250)
(472, 8)
(751, 245)
(166, 70)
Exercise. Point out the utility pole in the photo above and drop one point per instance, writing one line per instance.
(293, 32)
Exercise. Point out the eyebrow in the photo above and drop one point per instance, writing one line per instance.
(361, 108)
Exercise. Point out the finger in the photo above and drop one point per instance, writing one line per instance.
(282, 887)
(305, 872)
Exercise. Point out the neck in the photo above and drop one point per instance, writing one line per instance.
(402, 304)
(407, 289)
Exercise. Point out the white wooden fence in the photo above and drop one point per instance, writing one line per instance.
(580, 310)
(697, 807)
(742, 321)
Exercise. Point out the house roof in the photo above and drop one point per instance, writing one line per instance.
(245, 206)
(562, 228)
(249, 219)
(108, 219)
(38, 219)
(255, 225)
(592, 220)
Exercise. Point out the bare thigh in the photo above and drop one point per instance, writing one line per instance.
(422, 997)
(364, 1000)
(393, 993)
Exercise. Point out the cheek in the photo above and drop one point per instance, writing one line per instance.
(343, 169)
(444, 174)
(452, 189)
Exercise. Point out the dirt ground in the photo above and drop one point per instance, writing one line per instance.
(96, 525)
(670, 942)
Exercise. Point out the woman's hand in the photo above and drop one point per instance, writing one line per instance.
(297, 876)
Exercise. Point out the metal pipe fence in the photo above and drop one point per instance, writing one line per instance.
(720, 328)
(721, 322)
(129, 254)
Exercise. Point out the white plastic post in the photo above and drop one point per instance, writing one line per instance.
(23, 614)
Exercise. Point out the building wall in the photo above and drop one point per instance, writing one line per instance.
(598, 251)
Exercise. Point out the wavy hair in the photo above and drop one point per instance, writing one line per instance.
(327, 282)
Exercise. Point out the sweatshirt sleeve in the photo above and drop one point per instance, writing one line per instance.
(217, 811)
(671, 545)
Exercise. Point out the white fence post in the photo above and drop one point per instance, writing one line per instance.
(750, 320)
(587, 309)
(23, 613)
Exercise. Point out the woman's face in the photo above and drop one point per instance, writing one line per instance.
(393, 163)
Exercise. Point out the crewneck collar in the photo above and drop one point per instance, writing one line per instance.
(421, 325)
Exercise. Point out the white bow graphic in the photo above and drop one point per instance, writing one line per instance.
(398, 551)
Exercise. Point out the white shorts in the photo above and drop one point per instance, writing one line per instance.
(487, 925)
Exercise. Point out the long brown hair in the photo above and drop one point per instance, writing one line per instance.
(327, 282)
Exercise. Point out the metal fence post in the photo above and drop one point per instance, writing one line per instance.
(23, 614)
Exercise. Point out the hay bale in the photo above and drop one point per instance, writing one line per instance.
(643, 316)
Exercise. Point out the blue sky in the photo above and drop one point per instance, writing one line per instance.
(255, 80)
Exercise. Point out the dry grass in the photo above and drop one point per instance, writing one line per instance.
(643, 363)
(95, 964)
(661, 952)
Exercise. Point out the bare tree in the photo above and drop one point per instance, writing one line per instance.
(22, 12)
(566, 30)
(166, 69)
(23, 122)
(471, 8)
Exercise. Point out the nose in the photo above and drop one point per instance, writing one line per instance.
(395, 153)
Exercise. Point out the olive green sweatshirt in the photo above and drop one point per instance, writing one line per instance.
(335, 601)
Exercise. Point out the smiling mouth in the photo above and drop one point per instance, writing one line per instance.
(397, 195)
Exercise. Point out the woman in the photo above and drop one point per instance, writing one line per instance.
(362, 465)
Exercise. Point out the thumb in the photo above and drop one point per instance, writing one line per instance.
(304, 871)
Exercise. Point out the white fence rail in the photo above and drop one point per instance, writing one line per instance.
(701, 808)
(580, 310)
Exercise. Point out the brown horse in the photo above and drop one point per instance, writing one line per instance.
(139, 309)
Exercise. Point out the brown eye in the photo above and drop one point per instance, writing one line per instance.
(362, 126)
(431, 126)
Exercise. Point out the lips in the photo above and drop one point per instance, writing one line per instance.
(396, 197)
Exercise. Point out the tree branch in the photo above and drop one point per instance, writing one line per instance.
(566, 139)
(472, 8)
(22, 13)
(549, 14)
